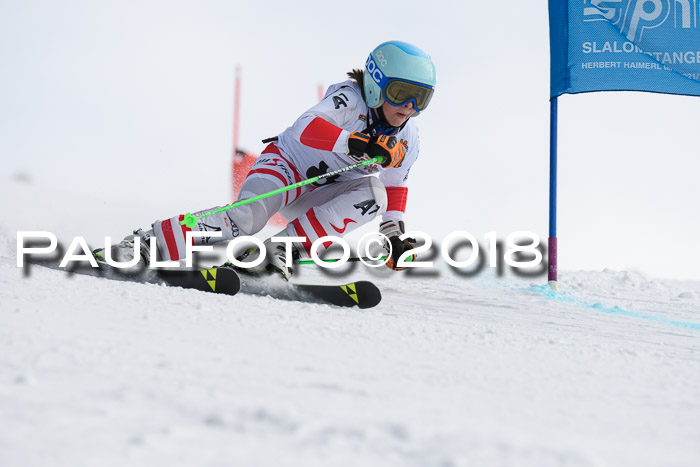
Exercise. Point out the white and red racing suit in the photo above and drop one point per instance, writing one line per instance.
(315, 144)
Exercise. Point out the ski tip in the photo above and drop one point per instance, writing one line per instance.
(361, 294)
(368, 294)
(226, 280)
(216, 280)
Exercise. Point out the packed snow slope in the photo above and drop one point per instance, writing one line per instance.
(448, 370)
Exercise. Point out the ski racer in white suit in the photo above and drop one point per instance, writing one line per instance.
(369, 115)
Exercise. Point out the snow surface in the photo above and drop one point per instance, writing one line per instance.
(448, 370)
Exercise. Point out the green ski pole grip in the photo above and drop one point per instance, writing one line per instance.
(189, 221)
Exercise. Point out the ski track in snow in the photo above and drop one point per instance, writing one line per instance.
(447, 371)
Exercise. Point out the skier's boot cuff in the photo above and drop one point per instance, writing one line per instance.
(124, 251)
(277, 258)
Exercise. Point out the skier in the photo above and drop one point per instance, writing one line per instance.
(369, 115)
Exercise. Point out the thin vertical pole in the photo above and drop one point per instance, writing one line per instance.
(236, 107)
(552, 249)
(236, 122)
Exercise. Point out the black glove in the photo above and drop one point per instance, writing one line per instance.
(388, 147)
(392, 230)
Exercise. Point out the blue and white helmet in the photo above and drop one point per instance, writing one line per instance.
(397, 72)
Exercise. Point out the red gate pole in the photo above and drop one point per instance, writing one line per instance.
(236, 119)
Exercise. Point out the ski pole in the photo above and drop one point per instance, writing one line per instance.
(349, 260)
(191, 221)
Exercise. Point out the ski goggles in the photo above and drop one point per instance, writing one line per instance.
(397, 91)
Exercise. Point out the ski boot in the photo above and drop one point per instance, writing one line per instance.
(123, 252)
(275, 261)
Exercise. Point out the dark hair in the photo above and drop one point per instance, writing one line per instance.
(358, 76)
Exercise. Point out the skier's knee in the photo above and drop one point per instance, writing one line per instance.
(247, 223)
(254, 225)
(251, 218)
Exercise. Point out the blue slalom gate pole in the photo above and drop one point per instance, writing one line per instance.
(552, 245)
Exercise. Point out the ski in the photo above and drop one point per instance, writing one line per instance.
(225, 280)
(361, 294)
(213, 280)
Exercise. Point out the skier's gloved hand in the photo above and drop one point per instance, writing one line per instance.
(357, 144)
(392, 230)
(389, 148)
